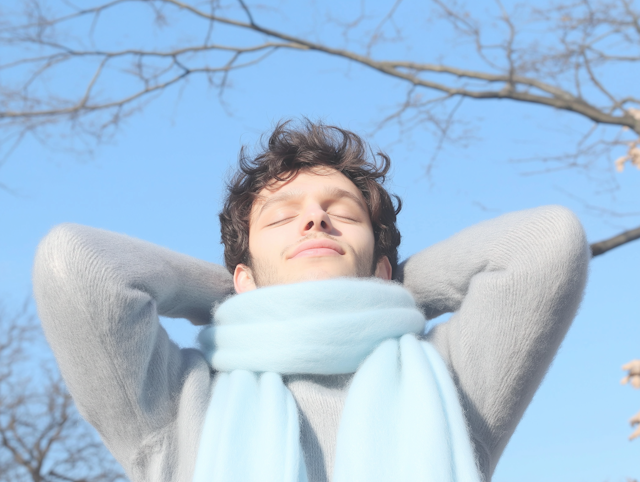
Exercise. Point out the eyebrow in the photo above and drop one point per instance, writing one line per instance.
(334, 192)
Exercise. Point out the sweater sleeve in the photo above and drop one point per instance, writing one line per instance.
(515, 284)
(99, 295)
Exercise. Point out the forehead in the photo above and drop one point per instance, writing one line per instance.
(308, 182)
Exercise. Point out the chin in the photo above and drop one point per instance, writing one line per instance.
(309, 269)
(318, 273)
(316, 276)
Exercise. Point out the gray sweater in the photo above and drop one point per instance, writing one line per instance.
(514, 283)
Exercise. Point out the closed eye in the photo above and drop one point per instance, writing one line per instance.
(281, 221)
(343, 218)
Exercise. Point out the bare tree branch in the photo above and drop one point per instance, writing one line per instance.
(42, 437)
(611, 243)
(514, 86)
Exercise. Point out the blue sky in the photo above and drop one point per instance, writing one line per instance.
(162, 180)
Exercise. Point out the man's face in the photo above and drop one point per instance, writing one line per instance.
(314, 227)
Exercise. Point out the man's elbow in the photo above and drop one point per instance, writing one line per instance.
(55, 253)
(566, 234)
(59, 263)
(560, 245)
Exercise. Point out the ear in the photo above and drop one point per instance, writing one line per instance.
(243, 279)
(383, 269)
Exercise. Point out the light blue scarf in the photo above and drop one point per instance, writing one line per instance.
(402, 420)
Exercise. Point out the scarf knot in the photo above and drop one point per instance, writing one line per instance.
(322, 328)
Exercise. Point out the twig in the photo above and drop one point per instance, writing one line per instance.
(608, 244)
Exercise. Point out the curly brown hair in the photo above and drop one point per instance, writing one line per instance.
(291, 150)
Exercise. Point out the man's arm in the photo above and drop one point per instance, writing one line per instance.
(99, 295)
(515, 284)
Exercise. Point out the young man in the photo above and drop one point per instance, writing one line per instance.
(310, 208)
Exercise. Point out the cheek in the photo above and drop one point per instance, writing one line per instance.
(361, 239)
(255, 244)
(269, 243)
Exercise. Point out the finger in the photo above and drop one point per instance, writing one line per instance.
(635, 381)
(625, 380)
(635, 434)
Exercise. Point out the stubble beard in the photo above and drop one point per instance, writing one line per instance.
(266, 274)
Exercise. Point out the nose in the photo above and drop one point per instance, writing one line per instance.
(316, 219)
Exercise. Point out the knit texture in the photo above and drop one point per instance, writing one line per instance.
(402, 419)
(514, 284)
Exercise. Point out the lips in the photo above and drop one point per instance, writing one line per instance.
(317, 247)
